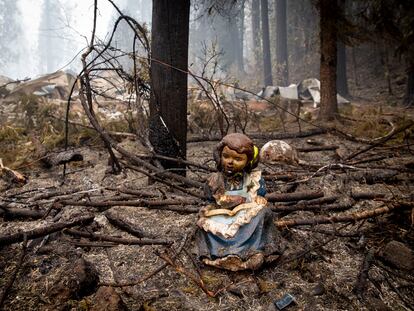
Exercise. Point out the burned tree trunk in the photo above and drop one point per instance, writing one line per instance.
(168, 104)
(267, 64)
(328, 35)
(281, 43)
(409, 93)
(256, 31)
(342, 78)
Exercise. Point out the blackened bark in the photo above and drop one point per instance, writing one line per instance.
(240, 61)
(168, 104)
(409, 93)
(282, 74)
(328, 37)
(342, 77)
(256, 31)
(267, 64)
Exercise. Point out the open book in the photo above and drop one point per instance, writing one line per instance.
(229, 212)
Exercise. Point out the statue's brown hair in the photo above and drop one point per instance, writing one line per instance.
(239, 143)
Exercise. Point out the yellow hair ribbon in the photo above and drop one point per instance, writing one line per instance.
(255, 154)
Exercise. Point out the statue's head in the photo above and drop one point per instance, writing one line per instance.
(236, 153)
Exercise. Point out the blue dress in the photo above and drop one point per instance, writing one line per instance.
(240, 237)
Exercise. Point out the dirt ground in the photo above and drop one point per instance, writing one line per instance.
(320, 267)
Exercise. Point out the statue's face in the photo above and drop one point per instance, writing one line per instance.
(232, 162)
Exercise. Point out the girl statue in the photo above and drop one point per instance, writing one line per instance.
(236, 230)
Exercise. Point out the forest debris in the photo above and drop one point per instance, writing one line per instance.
(295, 196)
(398, 255)
(151, 274)
(42, 231)
(181, 269)
(11, 176)
(365, 195)
(361, 282)
(126, 226)
(382, 140)
(13, 212)
(373, 176)
(314, 207)
(159, 204)
(12, 278)
(60, 158)
(317, 148)
(103, 237)
(76, 280)
(107, 299)
(341, 217)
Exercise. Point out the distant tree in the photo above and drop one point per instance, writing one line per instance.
(50, 32)
(255, 13)
(393, 21)
(328, 37)
(169, 64)
(342, 78)
(267, 63)
(282, 71)
(9, 31)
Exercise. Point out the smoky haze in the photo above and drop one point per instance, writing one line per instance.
(39, 37)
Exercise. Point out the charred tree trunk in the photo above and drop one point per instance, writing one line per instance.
(168, 104)
(328, 36)
(342, 78)
(240, 61)
(256, 31)
(409, 93)
(267, 64)
(282, 75)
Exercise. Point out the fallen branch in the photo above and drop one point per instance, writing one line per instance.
(178, 160)
(159, 204)
(168, 183)
(20, 213)
(317, 148)
(361, 282)
(364, 195)
(123, 225)
(136, 192)
(12, 278)
(339, 218)
(319, 208)
(180, 269)
(295, 196)
(381, 141)
(42, 231)
(60, 158)
(118, 240)
(151, 274)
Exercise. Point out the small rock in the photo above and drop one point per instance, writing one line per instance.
(279, 151)
(107, 299)
(77, 280)
(318, 290)
(398, 255)
(246, 287)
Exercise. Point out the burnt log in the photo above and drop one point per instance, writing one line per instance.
(295, 196)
